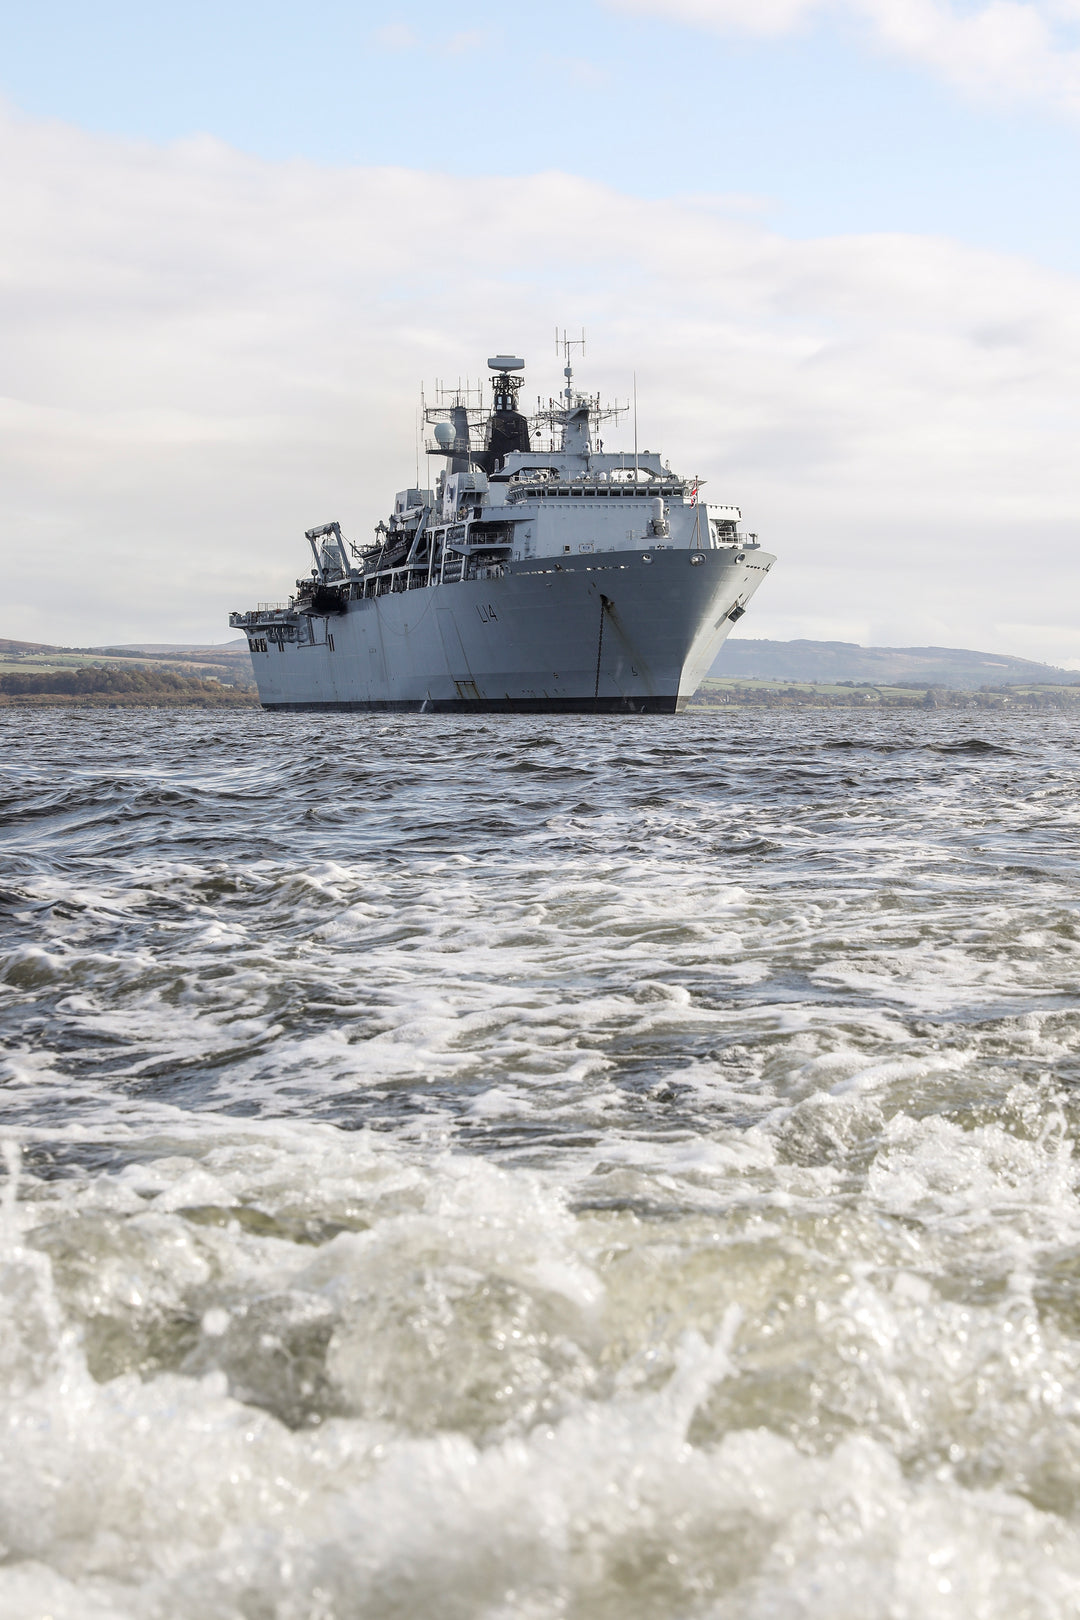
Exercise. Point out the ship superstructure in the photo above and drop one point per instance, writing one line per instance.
(542, 572)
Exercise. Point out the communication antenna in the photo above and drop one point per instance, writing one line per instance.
(565, 345)
(635, 426)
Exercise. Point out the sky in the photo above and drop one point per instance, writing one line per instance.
(836, 240)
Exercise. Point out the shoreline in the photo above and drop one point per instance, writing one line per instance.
(122, 700)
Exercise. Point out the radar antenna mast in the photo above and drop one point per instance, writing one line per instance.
(568, 405)
(565, 345)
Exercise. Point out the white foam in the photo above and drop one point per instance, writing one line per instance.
(527, 1399)
(759, 1300)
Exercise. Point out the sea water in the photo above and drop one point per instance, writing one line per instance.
(567, 1169)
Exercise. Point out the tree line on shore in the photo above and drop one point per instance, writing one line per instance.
(129, 686)
(932, 697)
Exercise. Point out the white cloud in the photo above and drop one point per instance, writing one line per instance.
(467, 41)
(204, 354)
(402, 37)
(397, 37)
(1018, 49)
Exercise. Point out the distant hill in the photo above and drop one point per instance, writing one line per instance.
(180, 649)
(149, 649)
(845, 661)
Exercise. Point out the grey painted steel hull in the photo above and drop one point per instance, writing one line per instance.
(607, 633)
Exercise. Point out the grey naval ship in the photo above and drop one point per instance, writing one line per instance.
(542, 573)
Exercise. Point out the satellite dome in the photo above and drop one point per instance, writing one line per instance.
(444, 434)
(506, 362)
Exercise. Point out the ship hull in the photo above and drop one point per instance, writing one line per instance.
(582, 705)
(617, 632)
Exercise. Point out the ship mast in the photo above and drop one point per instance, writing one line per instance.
(566, 345)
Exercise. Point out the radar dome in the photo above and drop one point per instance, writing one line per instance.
(506, 362)
(444, 434)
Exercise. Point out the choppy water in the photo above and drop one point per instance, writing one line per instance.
(605, 1170)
